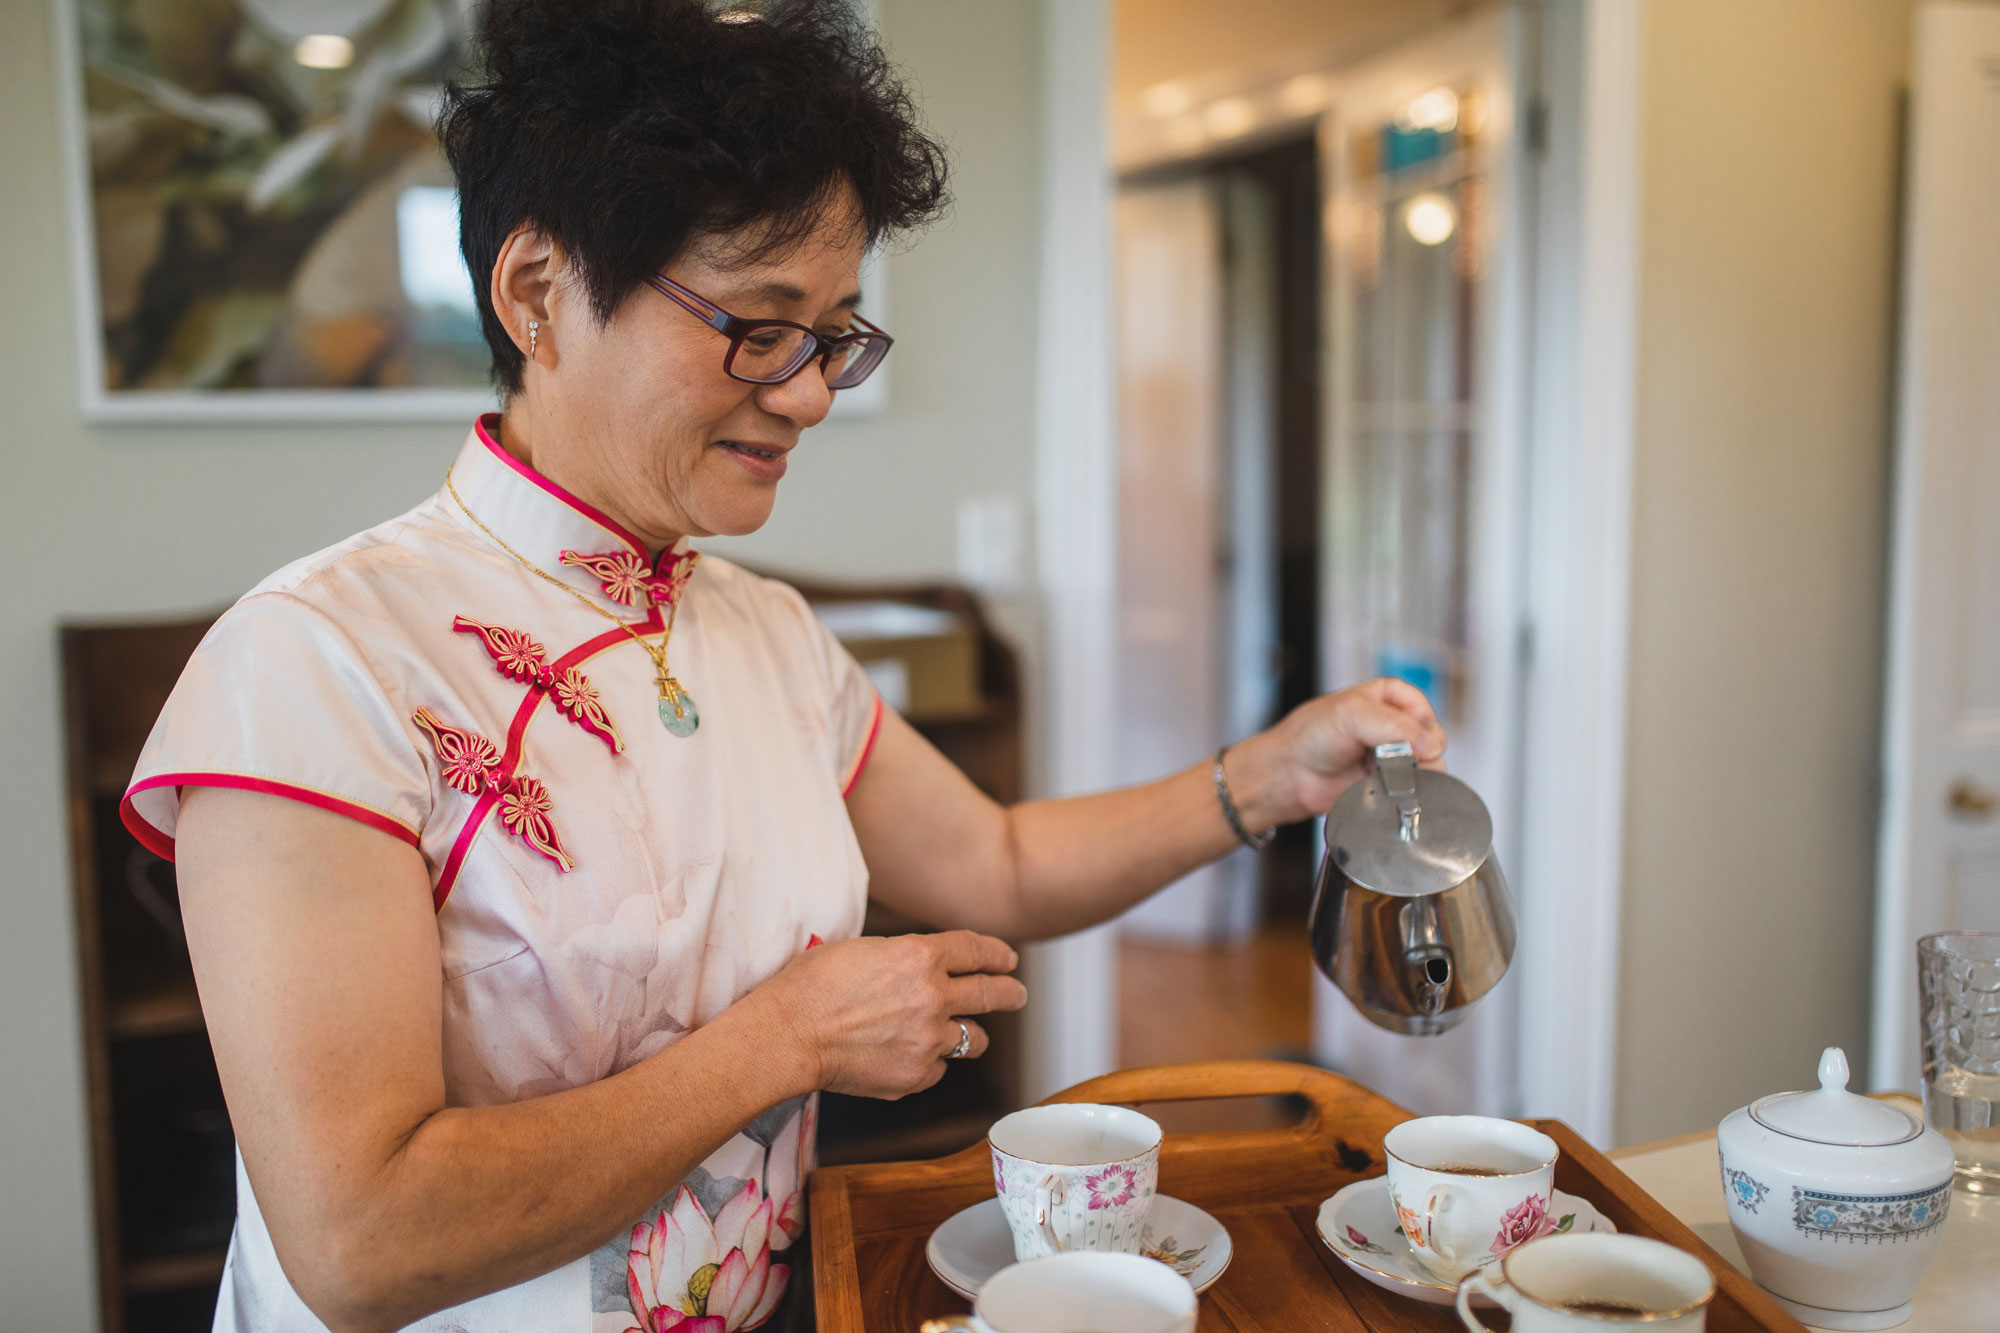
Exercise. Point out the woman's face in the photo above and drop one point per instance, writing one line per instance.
(637, 416)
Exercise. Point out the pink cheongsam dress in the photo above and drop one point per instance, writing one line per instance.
(602, 884)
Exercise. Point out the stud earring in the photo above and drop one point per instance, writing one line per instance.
(534, 332)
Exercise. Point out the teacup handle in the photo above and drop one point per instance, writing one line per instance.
(1440, 1202)
(1049, 1194)
(1477, 1280)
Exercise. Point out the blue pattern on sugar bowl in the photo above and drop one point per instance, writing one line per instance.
(1748, 1192)
(1869, 1188)
(1870, 1217)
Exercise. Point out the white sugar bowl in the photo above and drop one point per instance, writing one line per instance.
(1838, 1201)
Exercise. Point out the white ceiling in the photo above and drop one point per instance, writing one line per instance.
(1156, 41)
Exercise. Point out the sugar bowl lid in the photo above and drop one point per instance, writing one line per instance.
(1831, 1114)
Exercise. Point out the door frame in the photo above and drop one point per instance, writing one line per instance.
(1937, 405)
(1574, 636)
(1072, 1025)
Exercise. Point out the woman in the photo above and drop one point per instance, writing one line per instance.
(523, 853)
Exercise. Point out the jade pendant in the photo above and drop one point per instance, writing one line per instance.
(677, 711)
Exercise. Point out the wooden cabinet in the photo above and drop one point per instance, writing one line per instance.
(162, 1155)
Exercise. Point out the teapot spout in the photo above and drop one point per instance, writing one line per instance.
(1429, 971)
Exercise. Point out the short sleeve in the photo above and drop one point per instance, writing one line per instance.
(279, 699)
(853, 708)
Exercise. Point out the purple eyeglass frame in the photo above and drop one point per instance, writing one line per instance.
(874, 342)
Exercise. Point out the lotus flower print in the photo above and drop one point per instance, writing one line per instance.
(1112, 1187)
(1525, 1221)
(689, 1274)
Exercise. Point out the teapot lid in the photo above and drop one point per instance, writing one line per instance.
(1832, 1114)
(1408, 831)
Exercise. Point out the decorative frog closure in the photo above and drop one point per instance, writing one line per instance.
(519, 657)
(628, 581)
(472, 765)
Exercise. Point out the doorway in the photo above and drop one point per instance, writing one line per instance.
(1321, 478)
(1220, 388)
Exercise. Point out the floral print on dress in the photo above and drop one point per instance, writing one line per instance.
(1524, 1222)
(714, 1257)
(1113, 1187)
(695, 1274)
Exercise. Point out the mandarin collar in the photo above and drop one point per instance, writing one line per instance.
(567, 538)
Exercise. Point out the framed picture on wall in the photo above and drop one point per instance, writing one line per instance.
(263, 225)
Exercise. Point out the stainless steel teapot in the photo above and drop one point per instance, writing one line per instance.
(1411, 918)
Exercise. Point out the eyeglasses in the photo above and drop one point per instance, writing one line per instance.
(771, 351)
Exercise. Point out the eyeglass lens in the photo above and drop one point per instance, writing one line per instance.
(770, 355)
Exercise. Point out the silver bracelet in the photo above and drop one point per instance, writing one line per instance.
(1256, 842)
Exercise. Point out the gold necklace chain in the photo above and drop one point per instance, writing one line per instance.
(672, 694)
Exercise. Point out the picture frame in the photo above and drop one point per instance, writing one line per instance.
(262, 227)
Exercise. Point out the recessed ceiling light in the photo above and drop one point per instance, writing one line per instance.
(1434, 110)
(325, 50)
(1303, 94)
(1167, 99)
(1430, 219)
(1230, 117)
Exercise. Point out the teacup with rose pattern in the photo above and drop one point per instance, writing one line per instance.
(1469, 1188)
(1075, 1176)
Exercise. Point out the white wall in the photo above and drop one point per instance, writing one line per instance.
(99, 522)
(1759, 543)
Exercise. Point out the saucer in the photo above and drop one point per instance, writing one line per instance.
(972, 1245)
(1359, 1225)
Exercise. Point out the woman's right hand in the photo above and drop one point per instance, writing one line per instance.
(875, 1017)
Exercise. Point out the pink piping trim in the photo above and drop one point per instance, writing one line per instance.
(516, 733)
(452, 864)
(590, 512)
(867, 749)
(161, 845)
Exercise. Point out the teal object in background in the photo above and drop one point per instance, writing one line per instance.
(1418, 669)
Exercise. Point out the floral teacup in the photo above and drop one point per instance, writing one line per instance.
(1469, 1188)
(1075, 1176)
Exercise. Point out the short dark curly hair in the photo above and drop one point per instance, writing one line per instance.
(629, 129)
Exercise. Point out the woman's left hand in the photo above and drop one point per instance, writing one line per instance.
(1319, 749)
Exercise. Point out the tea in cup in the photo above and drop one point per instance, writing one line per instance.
(1080, 1292)
(1469, 1188)
(1075, 1176)
(1595, 1284)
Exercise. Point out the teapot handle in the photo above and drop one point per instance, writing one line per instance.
(1397, 763)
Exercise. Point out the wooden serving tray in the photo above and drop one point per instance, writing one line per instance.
(870, 1223)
